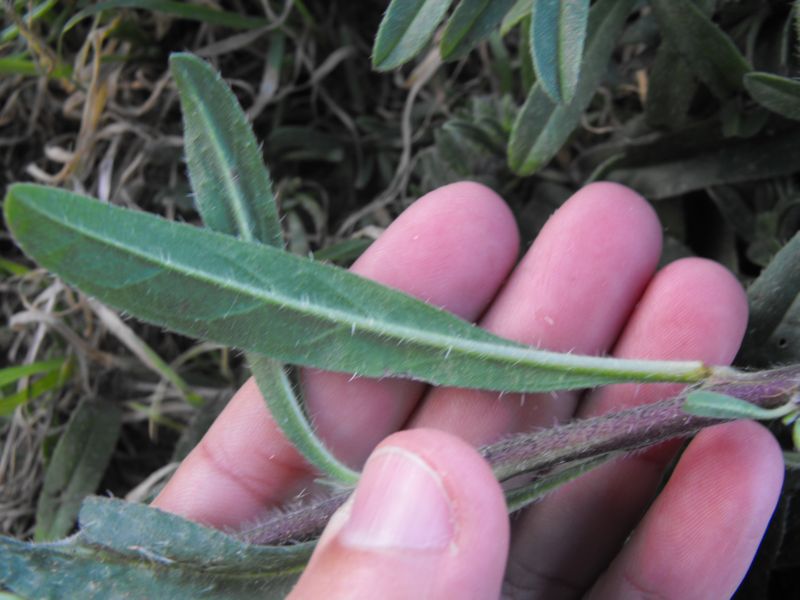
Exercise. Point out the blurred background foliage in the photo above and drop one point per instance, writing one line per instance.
(694, 103)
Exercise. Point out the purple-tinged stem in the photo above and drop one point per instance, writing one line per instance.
(538, 452)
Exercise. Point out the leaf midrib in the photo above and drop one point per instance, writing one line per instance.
(501, 349)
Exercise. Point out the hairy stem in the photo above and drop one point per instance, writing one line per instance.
(539, 452)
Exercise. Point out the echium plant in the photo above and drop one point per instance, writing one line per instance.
(232, 283)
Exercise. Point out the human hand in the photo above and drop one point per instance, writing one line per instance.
(588, 285)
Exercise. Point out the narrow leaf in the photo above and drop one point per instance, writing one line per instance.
(79, 461)
(184, 10)
(703, 403)
(11, 374)
(773, 333)
(778, 94)
(520, 10)
(406, 28)
(542, 126)
(231, 184)
(471, 23)
(558, 33)
(709, 51)
(288, 414)
(127, 550)
(222, 150)
(270, 302)
(51, 380)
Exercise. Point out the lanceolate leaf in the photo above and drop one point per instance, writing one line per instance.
(778, 94)
(703, 403)
(709, 51)
(773, 334)
(222, 150)
(558, 32)
(127, 550)
(520, 10)
(267, 301)
(79, 461)
(405, 29)
(542, 126)
(472, 21)
(231, 185)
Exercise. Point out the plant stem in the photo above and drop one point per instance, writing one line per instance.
(539, 452)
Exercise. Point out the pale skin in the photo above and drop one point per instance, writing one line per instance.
(590, 285)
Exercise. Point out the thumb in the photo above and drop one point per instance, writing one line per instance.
(427, 520)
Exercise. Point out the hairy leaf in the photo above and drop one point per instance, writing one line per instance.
(558, 33)
(270, 302)
(779, 94)
(542, 126)
(703, 403)
(406, 28)
(79, 461)
(472, 21)
(132, 550)
(234, 196)
(709, 51)
(231, 185)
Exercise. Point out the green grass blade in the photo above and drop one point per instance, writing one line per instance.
(37, 12)
(273, 303)
(184, 10)
(13, 268)
(231, 185)
(233, 193)
(542, 126)
(709, 51)
(558, 34)
(79, 461)
(11, 374)
(51, 380)
(779, 94)
(471, 23)
(406, 28)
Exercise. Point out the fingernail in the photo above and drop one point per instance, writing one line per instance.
(400, 504)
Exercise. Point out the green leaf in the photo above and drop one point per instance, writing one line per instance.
(406, 28)
(773, 333)
(670, 89)
(663, 169)
(37, 12)
(288, 414)
(52, 379)
(542, 126)
(703, 403)
(185, 10)
(778, 94)
(79, 461)
(11, 374)
(13, 268)
(273, 303)
(233, 193)
(708, 50)
(472, 22)
(129, 550)
(232, 187)
(520, 10)
(558, 33)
